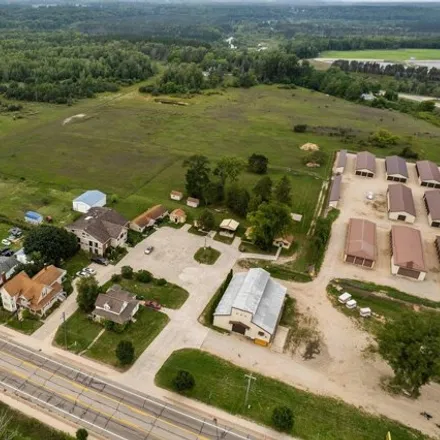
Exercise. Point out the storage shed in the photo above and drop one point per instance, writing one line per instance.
(33, 218)
(401, 203)
(365, 164)
(432, 205)
(407, 257)
(428, 174)
(335, 191)
(89, 199)
(360, 245)
(341, 162)
(396, 169)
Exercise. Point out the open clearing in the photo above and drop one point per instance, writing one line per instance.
(384, 54)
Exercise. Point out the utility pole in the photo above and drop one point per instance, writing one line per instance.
(65, 329)
(250, 378)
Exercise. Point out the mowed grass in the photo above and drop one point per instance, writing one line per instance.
(384, 54)
(222, 384)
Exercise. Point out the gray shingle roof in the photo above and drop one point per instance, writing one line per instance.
(335, 189)
(7, 263)
(254, 292)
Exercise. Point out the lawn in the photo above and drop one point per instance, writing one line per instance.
(26, 326)
(81, 331)
(149, 323)
(384, 54)
(78, 262)
(207, 255)
(169, 295)
(222, 384)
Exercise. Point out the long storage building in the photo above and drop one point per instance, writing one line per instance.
(401, 203)
(360, 244)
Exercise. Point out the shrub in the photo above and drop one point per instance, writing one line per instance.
(125, 352)
(67, 285)
(127, 272)
(282, 418)
(161, 282)
(318, 157)
(300, 128)
(82, 434)
(409, 153)
(109, 325)
(183, 381)
(116, 278)
(143, 276)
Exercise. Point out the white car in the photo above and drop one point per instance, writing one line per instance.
(148, 250)
(82, 274)
(6, 242)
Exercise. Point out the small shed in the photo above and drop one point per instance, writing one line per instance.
(365, 312)
(178, 216)
(401, 203)
(33, 218)
(335, 191)
(351, 304)
(192, 202)
(428, 174)
(341, 162)
(283, 242)
(344, 297)
(365, 164)
(176, 195)
(89, 199)
(396, 169)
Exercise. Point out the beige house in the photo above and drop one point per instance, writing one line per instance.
(365, 164)
(341, 162)
(335, 191)
(361, 243)
(401, 203)
(192, 202)
(37, 294)
(176, 195)
(148, 218)
(428, 174)
(284, 242)
(178, 216)
(396, 169)
(251, 306)
(407, 257)
(100, 229)
(116, 305)
(432, 205)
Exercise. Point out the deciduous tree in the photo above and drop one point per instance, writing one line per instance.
(283, 191)
(206, 220)
(197, 175)
(257, 163)
(237, 200)
(263, 188)
(88, 291)
(125, 352)
(228, 168)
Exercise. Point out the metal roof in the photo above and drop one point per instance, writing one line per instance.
(361, 239)
(254, 292)
(335, 189)
(428, 170)
(366, 161)
(432, 199)
(90, 197)
(342, 159)
(396, 165)
(401, 199)
(408, 248)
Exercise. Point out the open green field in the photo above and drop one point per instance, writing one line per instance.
(222, 384)
(384, 54)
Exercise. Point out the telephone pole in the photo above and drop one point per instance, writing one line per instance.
(250, 378)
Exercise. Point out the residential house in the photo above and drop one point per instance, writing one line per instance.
(37, 294)
(148, 218)
(396, 169)
(176, 195)
(192, 202)
(365, 164)
(335, 191)
(116, 305)
(407, 257)
(100, 229)
(361, 243)
(34, 218)
(251, 306)
(7, 267)
(401, 203)
(89, 199)
(178, 216)
(428, 174)
(432, 205)
(284, 242)
(341, 162)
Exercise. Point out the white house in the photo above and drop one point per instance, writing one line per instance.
(251, 306)
(192, 202)
(176, 195)
(89, 199)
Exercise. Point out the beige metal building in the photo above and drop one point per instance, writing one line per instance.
(365, 164)
(396, 169)
(341, 162)
(432, 205)
(360, 244)
(401, 203)
(335, 191)
(428, 174)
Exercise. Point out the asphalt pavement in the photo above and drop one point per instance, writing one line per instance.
(106, 409)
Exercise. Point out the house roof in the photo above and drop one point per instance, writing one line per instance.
(401, 199)
(120, 304)
(101, 223)
(254, 292)
(229, 224)
(396, 165)
(428, 170)
(342, 159)
(285, 239)
(151, 214)
(176, 193)
(361, 239)
(433, 201)
(366, 161)
(407, 248)
(192, 199)
(7, 263)
(178, 213)
(335, 189)
(90, 197)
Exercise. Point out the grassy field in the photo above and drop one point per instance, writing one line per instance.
(26, 326)
(384, 54)
(223, 385)
(207, 255)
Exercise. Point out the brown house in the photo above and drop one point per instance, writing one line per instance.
(396, 169)
(428, 174)
(401, 203)
(148, 218)
(360, 244)
(365, 164)
(432, 205)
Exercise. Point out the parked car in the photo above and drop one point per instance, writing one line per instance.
(100, 260)
(149, 250)
(6, 242)
(7, 253)
(90, 270)
(83, 274)
(152, 304)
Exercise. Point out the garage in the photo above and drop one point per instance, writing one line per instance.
(408, 273)
(238, 327)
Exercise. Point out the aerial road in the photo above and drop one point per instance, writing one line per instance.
(101, 407)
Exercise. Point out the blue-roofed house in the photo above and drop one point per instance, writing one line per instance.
(251, 305)
(89, 199)
(33, 217)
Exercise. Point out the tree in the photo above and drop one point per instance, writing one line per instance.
(300, 128)
(254, 203)
(88, 291)
(282, 418)
(125, 352)
(257, 163)
(53, 244)
(213, 193)
(237, 200)
(127, 272)
(143, 276)
(206, 220)
(269, 221)
(82, 434)
(283, 191)
(228, 168)
(197, 175)
(263, 188)
(183, 381)
(383, 139)
(411, 345)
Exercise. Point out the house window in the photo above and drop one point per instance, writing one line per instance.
(96, 244)
(90, 242)
(260, 333)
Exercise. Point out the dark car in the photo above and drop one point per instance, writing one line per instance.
(3, 250)
(7, 253)
(152, 304)
(100, 260)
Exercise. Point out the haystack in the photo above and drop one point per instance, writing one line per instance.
(309, 147)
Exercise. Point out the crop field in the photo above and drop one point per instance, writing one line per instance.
(130, 146)
(384, 54)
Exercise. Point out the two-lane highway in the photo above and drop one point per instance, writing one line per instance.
(104, 408)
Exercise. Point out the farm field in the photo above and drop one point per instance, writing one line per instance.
(384, 54)
(130, 146)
